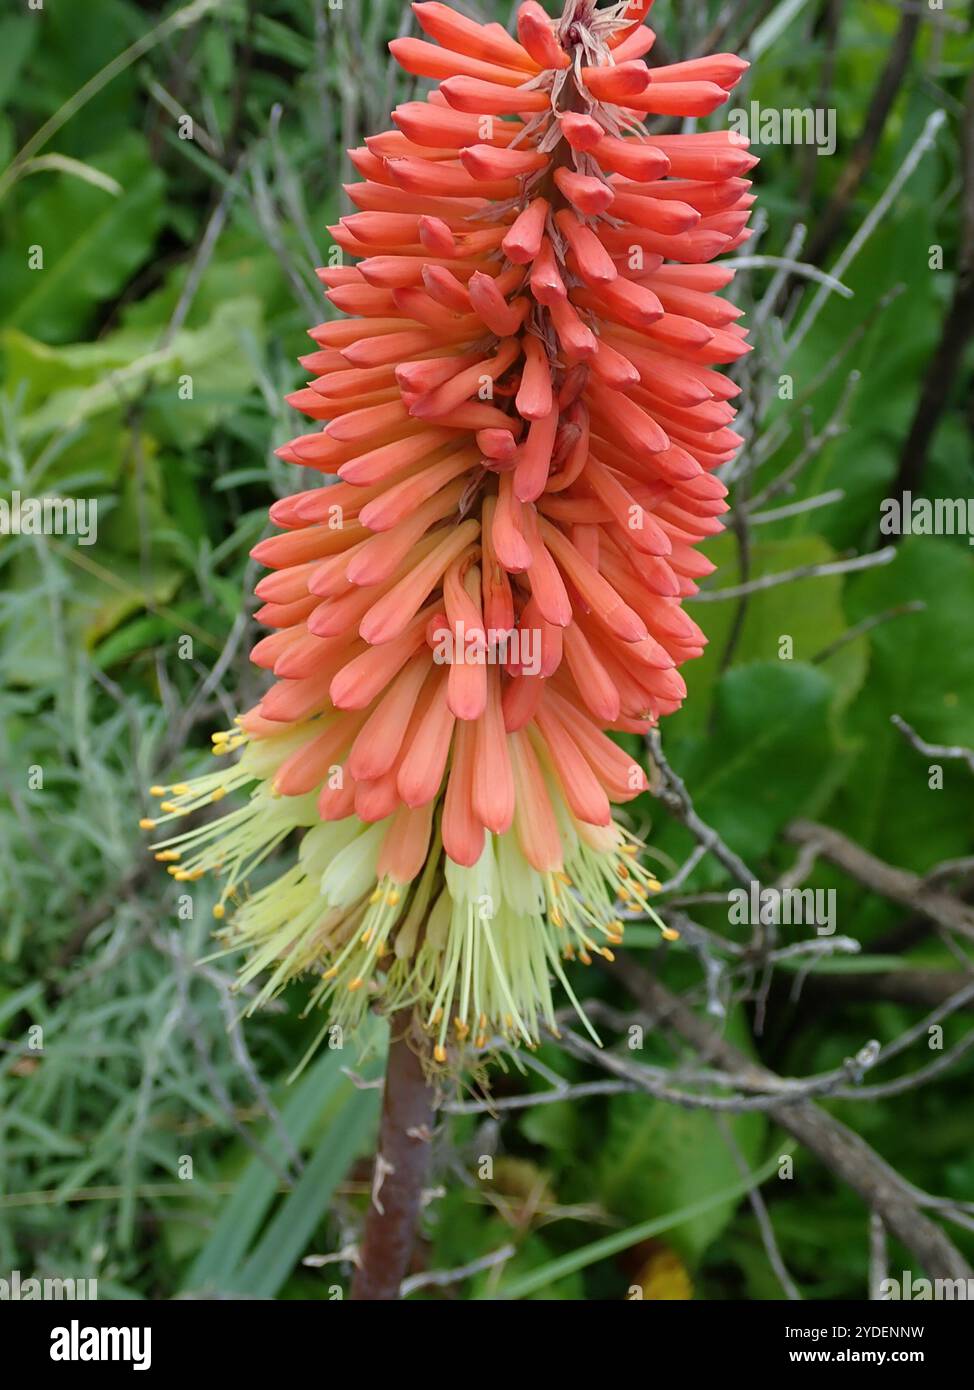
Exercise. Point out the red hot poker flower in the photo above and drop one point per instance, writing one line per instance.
(525, 416)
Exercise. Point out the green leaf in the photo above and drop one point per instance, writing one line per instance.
(288, 1234)
(221, 1260)
(64, 164)
(614, 1244)
(91, 242)
(770, 755)
(810, 612)
(922, 668)
(657, 1157)
(17, 36)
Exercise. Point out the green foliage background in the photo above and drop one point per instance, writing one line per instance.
(166, 257)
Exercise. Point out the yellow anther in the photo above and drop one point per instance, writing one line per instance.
(585, 958)
(220, 736)
(392, 898)
(436, 1018)
(627, 849)
(146, 824)
(330, 973)
(219, 794)
(219, 911)
(366, 936)
(376, 896)
(654, 885)
(355, 984)
(181, 788)
(168, 807)
(669, 934)
(606, 954)
(157, 791)
(462, 1029)
(439, 1052)
(480, 1040)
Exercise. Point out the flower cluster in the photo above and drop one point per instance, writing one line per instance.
(524, 416)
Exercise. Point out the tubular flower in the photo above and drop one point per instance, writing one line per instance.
(524, 417)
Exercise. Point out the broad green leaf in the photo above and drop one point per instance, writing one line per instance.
(91, 243)
(808, 612)
(769, 757)
(922, 668)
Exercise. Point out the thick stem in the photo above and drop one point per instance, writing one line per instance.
(402, 1161)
